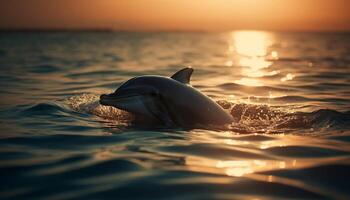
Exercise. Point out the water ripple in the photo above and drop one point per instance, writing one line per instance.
(288, 94)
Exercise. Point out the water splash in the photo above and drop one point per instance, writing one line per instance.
(89, 103)
(248, 118)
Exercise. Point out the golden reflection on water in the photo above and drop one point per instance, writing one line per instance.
(234, 165)
(252, 55)
(239, 167)
(249, 82)
(274, 55)
(288, 77)
(251, 43)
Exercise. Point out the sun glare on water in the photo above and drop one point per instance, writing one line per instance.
(251, 51)
(251, 43)
(237, 166)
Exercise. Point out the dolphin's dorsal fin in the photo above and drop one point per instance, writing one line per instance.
(183, 75)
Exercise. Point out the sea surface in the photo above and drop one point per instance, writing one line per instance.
(289, 94)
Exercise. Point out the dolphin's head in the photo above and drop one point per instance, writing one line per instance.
(155, 97)
(141, 95)
(135, 95)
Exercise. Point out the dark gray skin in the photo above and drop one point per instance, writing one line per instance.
(171, 101)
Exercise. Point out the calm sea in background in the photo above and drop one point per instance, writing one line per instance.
(289, 94)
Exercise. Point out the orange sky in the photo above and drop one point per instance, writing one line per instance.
(148, 15)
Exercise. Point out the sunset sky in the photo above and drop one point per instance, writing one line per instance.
(153, 15)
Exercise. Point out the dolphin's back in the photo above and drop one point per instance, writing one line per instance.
(187, 106)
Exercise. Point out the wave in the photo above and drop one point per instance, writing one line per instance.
(337, 174)
(44, 109)
(248, 118)
(235, 86)
(311, 59)
(265, 118)
(43, 69)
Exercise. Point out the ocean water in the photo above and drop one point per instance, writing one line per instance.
(289, 94)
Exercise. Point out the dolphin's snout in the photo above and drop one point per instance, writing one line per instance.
(103, 96)
(104, 99)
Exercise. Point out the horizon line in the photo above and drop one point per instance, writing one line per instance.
(162, 30)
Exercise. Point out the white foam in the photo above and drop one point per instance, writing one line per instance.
(89, 103)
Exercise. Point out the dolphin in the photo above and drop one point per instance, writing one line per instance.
(172, 101)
